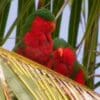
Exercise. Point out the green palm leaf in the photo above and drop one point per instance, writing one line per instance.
(4, 11)
(91, 41)
(29, 10)
(74, 22)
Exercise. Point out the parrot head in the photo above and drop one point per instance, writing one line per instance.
(44, 21)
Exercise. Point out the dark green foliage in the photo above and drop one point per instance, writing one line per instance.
(3, 19)
(91, 37)
(97, 84)
(25, 9)
(74, 22)
(56, 7)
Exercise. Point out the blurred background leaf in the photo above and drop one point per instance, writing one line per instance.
(4, 11)
(91, 40)
(74, 22)
(28, 7)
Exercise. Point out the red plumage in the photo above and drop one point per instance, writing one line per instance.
(62, 56)
(80, 77)
(69, 56)
(38, 42)
(43, 25)
(61, 68)
(39, 47)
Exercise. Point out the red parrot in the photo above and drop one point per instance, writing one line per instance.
(80, 77)
(39, 47)
(63, 56)
(38, 41)
(63, 61)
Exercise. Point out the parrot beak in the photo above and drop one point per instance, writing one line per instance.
(60, 50)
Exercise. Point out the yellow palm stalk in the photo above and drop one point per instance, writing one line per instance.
(28, 80)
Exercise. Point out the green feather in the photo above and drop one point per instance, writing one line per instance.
(77, 67)
(60, 43)
(45, 13)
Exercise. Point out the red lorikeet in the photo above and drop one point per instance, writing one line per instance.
(38, 41)
(80, 77)
(39, 46)
(63, 61)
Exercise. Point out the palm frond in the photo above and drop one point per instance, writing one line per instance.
(30, 80)
(4, 11)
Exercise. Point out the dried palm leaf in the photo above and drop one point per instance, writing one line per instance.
(28, 80)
